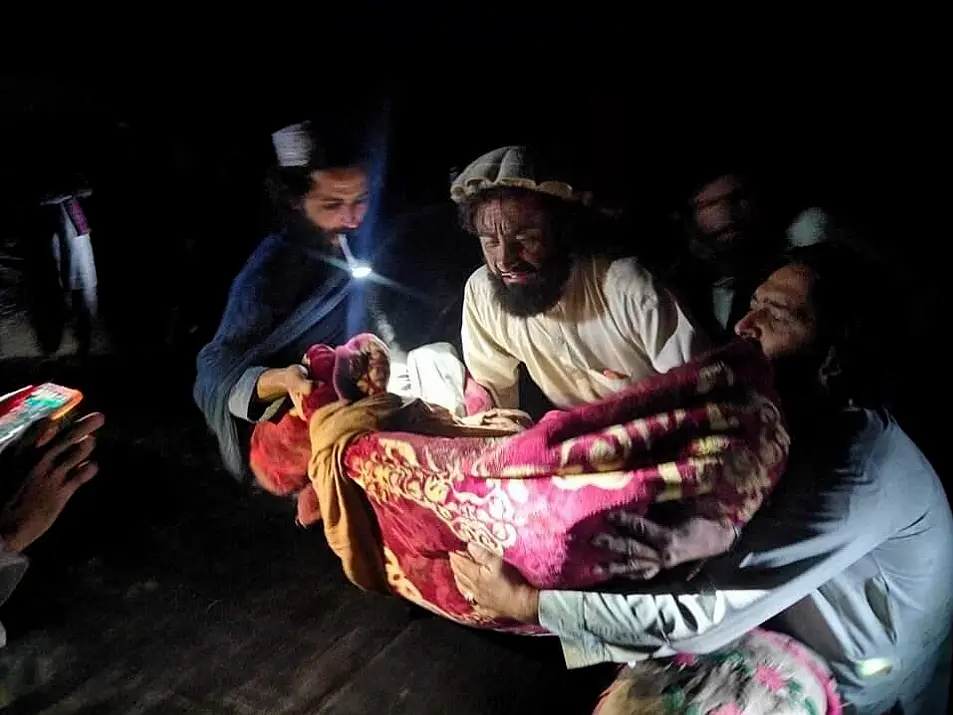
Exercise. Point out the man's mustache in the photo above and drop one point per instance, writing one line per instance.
(522, 268)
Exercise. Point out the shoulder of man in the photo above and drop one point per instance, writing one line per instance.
(882, 445)
(628, 277)
(849, 438)
(279, 256)
(866, 450)
(270, 248)
(478, 285)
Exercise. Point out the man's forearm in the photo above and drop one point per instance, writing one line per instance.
(243, 400)
(615, 627)
(598, 627)
(272, 384)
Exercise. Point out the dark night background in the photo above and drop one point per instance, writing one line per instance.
(163, 561)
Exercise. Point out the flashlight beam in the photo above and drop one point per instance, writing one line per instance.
(372, 276)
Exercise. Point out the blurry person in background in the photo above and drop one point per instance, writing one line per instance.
(729, 252)
(732, 245)
(295, 290)
(45, 472)
(63, 271)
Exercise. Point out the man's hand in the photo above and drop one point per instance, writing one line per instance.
(496, 589)
(514, 420)
(644, 548)
(298, 386)
(278, 382)
(61, 468)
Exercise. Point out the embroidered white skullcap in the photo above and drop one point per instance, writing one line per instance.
(511, 166)
(294, 145)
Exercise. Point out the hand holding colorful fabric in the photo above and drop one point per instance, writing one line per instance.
(299, 387)
(495, 417)
(496, 589)
(280, 451)
(644, 547)
(319, 362)
(634, 552)
(710, 430)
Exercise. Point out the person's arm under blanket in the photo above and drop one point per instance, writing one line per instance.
(487, 361)
(653, 316)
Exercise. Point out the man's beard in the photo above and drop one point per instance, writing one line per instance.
(797, 379)
(305, 229)
(727, 253)
(537, 295)
(738, 252)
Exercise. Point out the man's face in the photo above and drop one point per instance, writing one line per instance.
(527, 267)
(338, 200)
(722, 210)
(781, 317)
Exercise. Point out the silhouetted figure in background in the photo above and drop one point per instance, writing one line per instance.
(728, 252)
(72, 252)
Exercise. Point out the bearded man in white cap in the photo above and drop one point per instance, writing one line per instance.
(584, 325)
(297, 289)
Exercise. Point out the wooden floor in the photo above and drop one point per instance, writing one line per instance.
(166, 589)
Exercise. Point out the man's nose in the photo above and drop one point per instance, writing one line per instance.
(747, 327)
(509, 253)
(352, 217)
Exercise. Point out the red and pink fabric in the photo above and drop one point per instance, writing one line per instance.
(708, 434)
(280, 451)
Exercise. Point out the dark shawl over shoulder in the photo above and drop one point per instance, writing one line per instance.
(284, 291)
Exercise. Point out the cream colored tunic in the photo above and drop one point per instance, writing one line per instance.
(613, 327)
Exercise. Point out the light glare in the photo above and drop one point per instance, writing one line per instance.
(361, 271)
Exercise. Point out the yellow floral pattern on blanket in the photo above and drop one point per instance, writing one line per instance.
(403, 587)
(396, 472)
(713, 456)
(747, 470)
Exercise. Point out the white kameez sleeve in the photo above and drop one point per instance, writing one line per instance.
(613, 627)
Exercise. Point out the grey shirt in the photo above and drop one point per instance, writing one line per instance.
(853, 556)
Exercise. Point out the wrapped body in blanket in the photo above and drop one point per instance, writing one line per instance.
(400, 484)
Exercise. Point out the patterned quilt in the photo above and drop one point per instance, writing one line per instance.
(708, 434)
